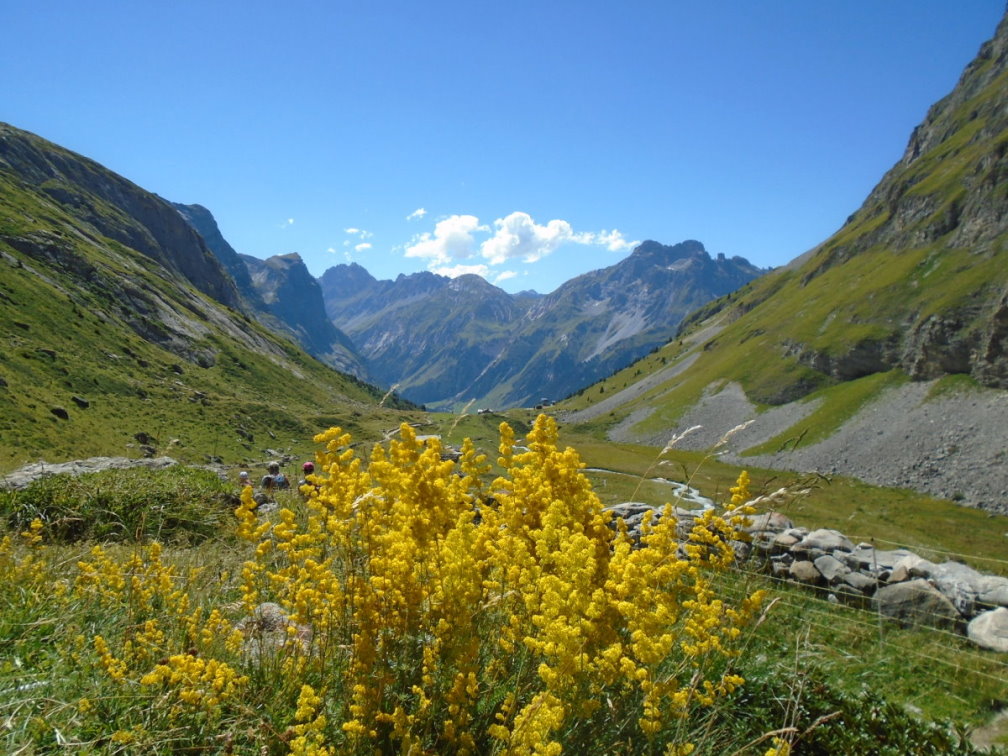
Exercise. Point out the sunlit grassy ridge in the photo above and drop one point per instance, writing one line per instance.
(102, 334)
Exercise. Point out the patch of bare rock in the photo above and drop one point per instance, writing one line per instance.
(25, 476)
(953, 445)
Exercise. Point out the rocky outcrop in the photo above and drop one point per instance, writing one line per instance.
(894, 583)
(116, 209)
(289, 293)
(25, 476)
(205, 224)
(946, 194)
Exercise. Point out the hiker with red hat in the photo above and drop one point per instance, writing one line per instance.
(305, 485)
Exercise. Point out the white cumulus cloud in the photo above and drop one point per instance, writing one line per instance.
(452, 240)
(614, 241)
(358, 232)
(417, 214)
(362, 247)
(504, 275)
(517, 235)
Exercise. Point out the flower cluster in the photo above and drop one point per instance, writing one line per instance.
(463, 613)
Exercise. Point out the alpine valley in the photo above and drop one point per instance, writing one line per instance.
(882, 353)
(446, 342)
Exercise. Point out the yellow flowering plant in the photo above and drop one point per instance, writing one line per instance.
(425, 604)
(452, 613)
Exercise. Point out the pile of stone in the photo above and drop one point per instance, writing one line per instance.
(895, 583)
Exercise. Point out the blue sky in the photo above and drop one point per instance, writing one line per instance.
(527, 141)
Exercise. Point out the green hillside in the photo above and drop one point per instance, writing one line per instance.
(107, 348)
(915, 282)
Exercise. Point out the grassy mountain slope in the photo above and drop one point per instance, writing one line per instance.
(913, 287)
(916, 280)
(107, 347)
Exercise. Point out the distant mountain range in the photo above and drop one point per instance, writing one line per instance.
(447, 341)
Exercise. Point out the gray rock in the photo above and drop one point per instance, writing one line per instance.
(266, 632)
(628, 509)
(60, 412)
(959, 583)
(773, 521)
(25, 476)
(867, 558)
(742, 550)
(763, 542)
(831, 568)
(860, 582)
(779, 569)
(786, 540)
(899, 574)
(826, 540)
(990, 630)
(916, 602)
(80, 401)
(992, 590)
(917, 567)
(805, 572)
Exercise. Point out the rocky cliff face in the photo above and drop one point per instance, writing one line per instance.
(205, 225)
(292, 295)
(448, 341)
(295, 307)
(942, 212)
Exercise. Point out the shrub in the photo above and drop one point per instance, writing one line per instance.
(174, 504)
(455, 616)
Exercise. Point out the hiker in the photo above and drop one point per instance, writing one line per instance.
(305, 486)
(274, 479)
(243, 479)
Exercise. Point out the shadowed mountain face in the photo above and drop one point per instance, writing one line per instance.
(121, 328)
(292, 295)
(282, 294)
(205, 225)
(446, 341)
